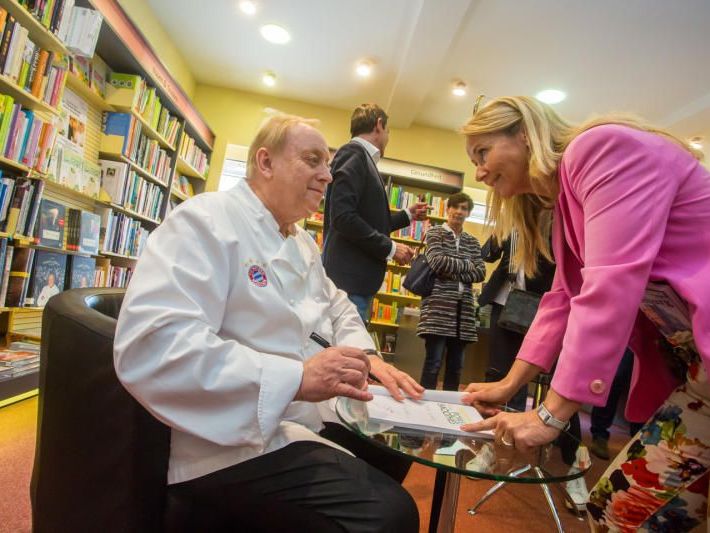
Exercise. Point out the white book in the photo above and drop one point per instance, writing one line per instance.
(440, 411)
(113, 179)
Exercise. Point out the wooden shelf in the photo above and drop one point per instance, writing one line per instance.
(119, 256)
(130, 212)
(15, 165)
(407, 240)
(77, 85)
(38, 33)
(27, 99)
(113, 156)
(51, 184)
(383, 324)
(147, 129)
(24, 243)
(186, 169)
(177, 193)
(314, 223)
(402, 297)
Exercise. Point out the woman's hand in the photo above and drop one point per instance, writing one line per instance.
(488, 397)
(522, 430)
(394, 380)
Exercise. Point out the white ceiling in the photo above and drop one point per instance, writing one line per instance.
(644, 56)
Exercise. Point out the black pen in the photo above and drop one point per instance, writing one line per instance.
(325, 344)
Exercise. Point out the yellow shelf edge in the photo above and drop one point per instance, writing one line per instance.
(25, 98)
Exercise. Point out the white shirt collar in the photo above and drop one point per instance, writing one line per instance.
(371, 148)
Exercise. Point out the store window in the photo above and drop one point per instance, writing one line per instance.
(234, 167)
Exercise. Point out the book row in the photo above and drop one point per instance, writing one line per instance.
(128, 189)
(399, 198)
(124, 132)
(182, 184)
(31, 277)
(121, 234)
(392, 284)
(416, 230)
(34, 69)
(25, 137)
(384, 312)
(190, 152)
(148, 105)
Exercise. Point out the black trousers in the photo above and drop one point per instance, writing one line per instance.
(306, 486)
(502, 349)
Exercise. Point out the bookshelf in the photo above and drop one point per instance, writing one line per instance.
(183, 136)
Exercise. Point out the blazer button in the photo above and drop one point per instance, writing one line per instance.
(597, 386)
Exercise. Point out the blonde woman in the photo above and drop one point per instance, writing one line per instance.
(630, 204)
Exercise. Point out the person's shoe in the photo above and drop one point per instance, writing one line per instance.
(484, 461)
(600, 448)
(577, 488)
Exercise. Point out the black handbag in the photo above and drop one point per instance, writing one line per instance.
(420, 278)
(519, 311)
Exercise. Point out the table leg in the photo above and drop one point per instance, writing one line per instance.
(550, 502)
(444, 502)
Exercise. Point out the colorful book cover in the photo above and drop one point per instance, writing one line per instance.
(81, 272)
(18, 276)
(91, 179)
(51, 224)
(89, 233)
(47, 277)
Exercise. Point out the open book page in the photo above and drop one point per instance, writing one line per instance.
(668, 312)
(440, 411)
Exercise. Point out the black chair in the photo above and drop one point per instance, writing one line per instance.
(101, 459)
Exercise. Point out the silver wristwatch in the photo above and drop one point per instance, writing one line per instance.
(549, 420)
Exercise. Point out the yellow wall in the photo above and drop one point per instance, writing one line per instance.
(142, 16)
(235, 116)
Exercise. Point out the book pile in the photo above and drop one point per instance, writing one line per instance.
(19, 359)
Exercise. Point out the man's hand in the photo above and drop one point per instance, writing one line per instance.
(337, 371)
(418, 211)
(395, 381)
(403, 254)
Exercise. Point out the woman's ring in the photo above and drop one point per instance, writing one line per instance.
(505, 442)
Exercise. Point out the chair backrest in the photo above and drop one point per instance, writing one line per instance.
(101, 459)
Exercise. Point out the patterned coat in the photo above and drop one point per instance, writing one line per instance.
(438, 310)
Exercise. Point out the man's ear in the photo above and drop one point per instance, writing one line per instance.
(379, 126)
(264, 162)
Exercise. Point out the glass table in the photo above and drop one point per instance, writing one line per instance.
(454, 456)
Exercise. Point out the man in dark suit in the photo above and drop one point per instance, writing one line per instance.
(357, 219)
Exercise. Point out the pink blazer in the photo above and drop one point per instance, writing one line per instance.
(632, 207)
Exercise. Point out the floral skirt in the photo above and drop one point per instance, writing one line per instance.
(659, 481)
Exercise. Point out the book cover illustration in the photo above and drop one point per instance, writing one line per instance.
(47, 277)
(89, 233)
(18, 276)
(81, 272)
(51, 224)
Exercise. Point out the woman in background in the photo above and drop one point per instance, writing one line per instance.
(631, 205)
(448, 318)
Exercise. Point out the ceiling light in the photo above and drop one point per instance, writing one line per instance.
(275, 34)
(248, 7)
(364, 68)
(551, 96)
(269, 79)
(459, 89)
(696, 142)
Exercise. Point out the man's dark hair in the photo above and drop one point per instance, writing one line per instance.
(364, 119)
(459, 198)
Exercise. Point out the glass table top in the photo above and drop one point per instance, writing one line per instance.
(472, 456)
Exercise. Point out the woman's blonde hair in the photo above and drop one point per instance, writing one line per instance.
(548, 136)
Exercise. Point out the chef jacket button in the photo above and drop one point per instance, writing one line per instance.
(291, 301)
(597, 386)
(317, 298)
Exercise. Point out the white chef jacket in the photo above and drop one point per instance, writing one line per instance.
(215, 327)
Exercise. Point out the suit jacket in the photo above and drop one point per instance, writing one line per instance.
(357, 222)
(633, 207)
(491, 252)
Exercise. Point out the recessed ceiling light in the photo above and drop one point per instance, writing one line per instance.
(696, 142)
(275, 34)
(551, 96)
(364, 68)
(248, 7)
(269, 79)
(459, 89)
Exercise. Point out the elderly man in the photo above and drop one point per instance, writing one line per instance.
(213, 339)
